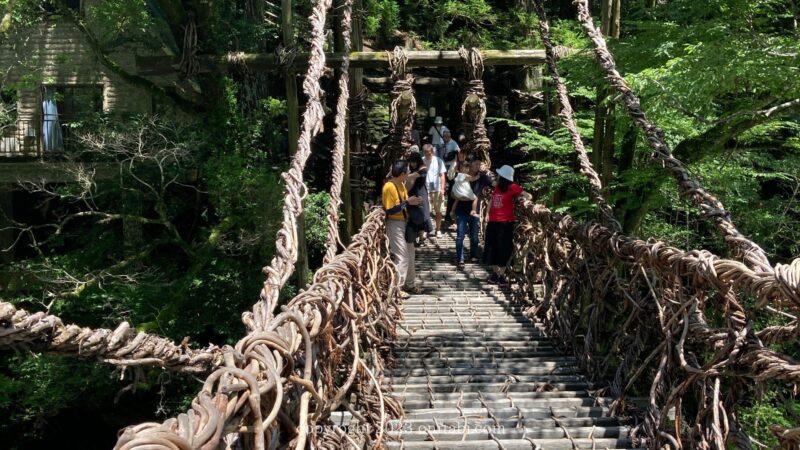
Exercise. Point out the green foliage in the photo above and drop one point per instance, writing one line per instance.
(449, 24)
(765, 412)
(34, 389)
(382, 18)
(121, 22)
(316, 215)
(551, 167)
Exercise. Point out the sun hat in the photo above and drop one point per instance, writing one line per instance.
(438, 120)
(415, 149)
(506, 172)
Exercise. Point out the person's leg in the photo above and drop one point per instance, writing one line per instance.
(474, 224)
(461, 231)
(398, 247)
(437, 205)
(440, 211)
(504, 252)
(411, 273)
(432, 217)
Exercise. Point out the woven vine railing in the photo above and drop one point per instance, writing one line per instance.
(277, 384)
(658, 322)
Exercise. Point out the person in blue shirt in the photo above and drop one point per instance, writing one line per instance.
(465, 219)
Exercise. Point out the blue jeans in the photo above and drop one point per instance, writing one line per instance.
(462, 221)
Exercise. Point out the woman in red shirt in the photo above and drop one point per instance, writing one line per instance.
(500, 226)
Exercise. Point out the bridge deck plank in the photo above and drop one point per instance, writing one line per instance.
(473, 373)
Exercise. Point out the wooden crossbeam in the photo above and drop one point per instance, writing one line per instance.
(160, 65)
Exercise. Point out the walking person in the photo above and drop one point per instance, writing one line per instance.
(418, 187)
(436, 133)
(468, 219)
(450, 149)
(435, 181)
(395, 202)
(501, 222)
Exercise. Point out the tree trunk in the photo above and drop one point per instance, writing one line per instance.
(627, 155)
(604, 129)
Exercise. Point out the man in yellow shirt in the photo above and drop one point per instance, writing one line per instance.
(395, 201)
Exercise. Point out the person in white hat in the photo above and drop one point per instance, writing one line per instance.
(500, 225)
(437, 135)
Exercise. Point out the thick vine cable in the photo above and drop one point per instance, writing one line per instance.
(339, 131)
(710, 207)
(121, 347)
(282, 265)
(473, 109)
(567, 119)
(400, 141)
(661, 294)
(257, 357)
(276, 383)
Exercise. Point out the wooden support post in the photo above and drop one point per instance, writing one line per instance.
(356, 213)
(293, 121)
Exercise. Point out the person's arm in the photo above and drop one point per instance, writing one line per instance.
(396, 209)
(451, 172)
(519, 192)
(412, 178)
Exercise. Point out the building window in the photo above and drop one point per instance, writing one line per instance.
(65, 107)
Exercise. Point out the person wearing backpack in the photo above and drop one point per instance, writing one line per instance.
(396, 203)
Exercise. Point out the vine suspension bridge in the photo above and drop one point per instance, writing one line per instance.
(550, 362)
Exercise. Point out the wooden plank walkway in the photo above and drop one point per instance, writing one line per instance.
(473, 373)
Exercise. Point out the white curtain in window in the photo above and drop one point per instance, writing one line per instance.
(51, 128)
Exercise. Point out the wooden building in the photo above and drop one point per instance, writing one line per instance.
(52, 78)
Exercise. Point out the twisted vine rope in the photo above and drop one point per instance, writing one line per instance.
(189, 65)
(473, 109)
(402, 96)
(278, 382)
(282, 375)
(339, 131)
(282, 265)
(653, 312)
(710, 207)
(567, 119)
(122, 347)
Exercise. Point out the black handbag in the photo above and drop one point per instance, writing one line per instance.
(416, 216)
(411, 233)
(415, 223)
